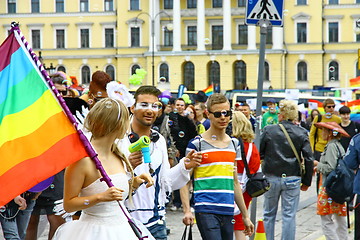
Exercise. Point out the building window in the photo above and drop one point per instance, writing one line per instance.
(333, 71)
(109, 37)
(358, 36)
(217, 37)
(35, 38)
(191, 3)
(164, 71)
(214, 73)
(134, 5)
(301, 2)
(240, 75)
(267, 72)
(301, 32)
(11, 6)
(168, 4)
(333, 32)
(168, 38)
(61, 69)
(135, 37)
(357, 1)
(85, 75)
(357, 70)
(243, 34)
(35, 6)
(333, 2)
(269, 36)
(189, 76)
(111, 71)
(241, 3)
(192, 35)
(60, 38)
(109, 5)
(133, 69)
(84, 38)
(59, 6)
(84, 5)
(217, 3)
(302, 71)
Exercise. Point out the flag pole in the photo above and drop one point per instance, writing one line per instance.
(88, 147)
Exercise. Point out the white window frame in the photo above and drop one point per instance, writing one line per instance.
(189, 23)
(16, 7)
(237, 23)
(105, 25)
(215, 22)
(130, 5)
(333, 18)
(36, 27)
(159, 70)
(62, 26)
(84, 26)
(64, 7)
(296, 31)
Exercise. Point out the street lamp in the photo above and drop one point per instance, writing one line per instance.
(51, 69)
(152, 19)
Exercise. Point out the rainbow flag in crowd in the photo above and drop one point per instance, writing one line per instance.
(37, 140)
(355, 82)
(209, 90)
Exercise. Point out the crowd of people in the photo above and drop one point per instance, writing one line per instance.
(197, 153)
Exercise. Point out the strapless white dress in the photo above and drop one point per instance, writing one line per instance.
(104, 220)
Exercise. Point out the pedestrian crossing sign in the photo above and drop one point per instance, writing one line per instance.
(271, 10)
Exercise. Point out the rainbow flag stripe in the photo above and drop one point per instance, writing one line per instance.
(209, 90)
(355, 82)
(37, 140)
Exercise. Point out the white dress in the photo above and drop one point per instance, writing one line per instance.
(104, 220)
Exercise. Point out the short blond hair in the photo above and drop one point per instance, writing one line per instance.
(288, 109)
(241, 127)
(216, 98)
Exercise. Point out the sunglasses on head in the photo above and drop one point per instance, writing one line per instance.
(225, 113)
(63, 92)
(331, 106)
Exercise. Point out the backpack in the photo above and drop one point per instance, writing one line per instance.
(339, 183)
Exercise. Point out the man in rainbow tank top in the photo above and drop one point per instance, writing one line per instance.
(215, 180)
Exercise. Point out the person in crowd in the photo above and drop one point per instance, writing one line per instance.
(242, 130)
(270, 117)
(161, 125)
(282, 168)
(101, 215)
(183, 130)
(200, 97)
(97, 88)
(15, 216)
(351, 127)
(317, 143)
(315, 112)
(245, 109)
(215, 180)
(191, 113)
(332, 214)
(352, 160)
(149, 203)
(201, 116)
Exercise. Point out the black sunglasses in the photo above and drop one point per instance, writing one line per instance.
(63, 92)
(225, 113)
(331, 106)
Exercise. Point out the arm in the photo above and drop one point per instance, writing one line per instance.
(329, 161)
(21, 202)
(351, 158)
(309, 163)
(239, 199)
(312, 134)
(75, 176)
(188, 218)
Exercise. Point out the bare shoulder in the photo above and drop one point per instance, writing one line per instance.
(82, 166)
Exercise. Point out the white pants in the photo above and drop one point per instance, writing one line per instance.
(334, 227)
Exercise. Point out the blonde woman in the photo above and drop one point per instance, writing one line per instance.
(101, 216)
(242, 130)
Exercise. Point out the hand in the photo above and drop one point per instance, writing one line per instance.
(316, 162)
(135, 159)
(188, 218)
(304, 187)
(249, 227)
(21, 202)
(112, 194)
(145, 177)
(192, 159)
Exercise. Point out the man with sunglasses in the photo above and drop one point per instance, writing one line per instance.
(317, 143)
(215, 182)
(149, 203)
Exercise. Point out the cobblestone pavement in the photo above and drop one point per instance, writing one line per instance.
(308, 223)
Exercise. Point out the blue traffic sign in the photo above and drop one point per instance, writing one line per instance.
(271, 10)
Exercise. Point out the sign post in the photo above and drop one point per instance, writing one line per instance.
(263, 13)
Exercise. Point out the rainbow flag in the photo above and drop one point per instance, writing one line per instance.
(37, 140)
(209, 90)
(355, 82)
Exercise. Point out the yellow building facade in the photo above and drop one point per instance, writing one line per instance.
(191, 42)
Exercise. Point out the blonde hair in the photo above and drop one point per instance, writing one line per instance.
(241, 127)
(216, 98)
(288, 109)
(110, 116)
